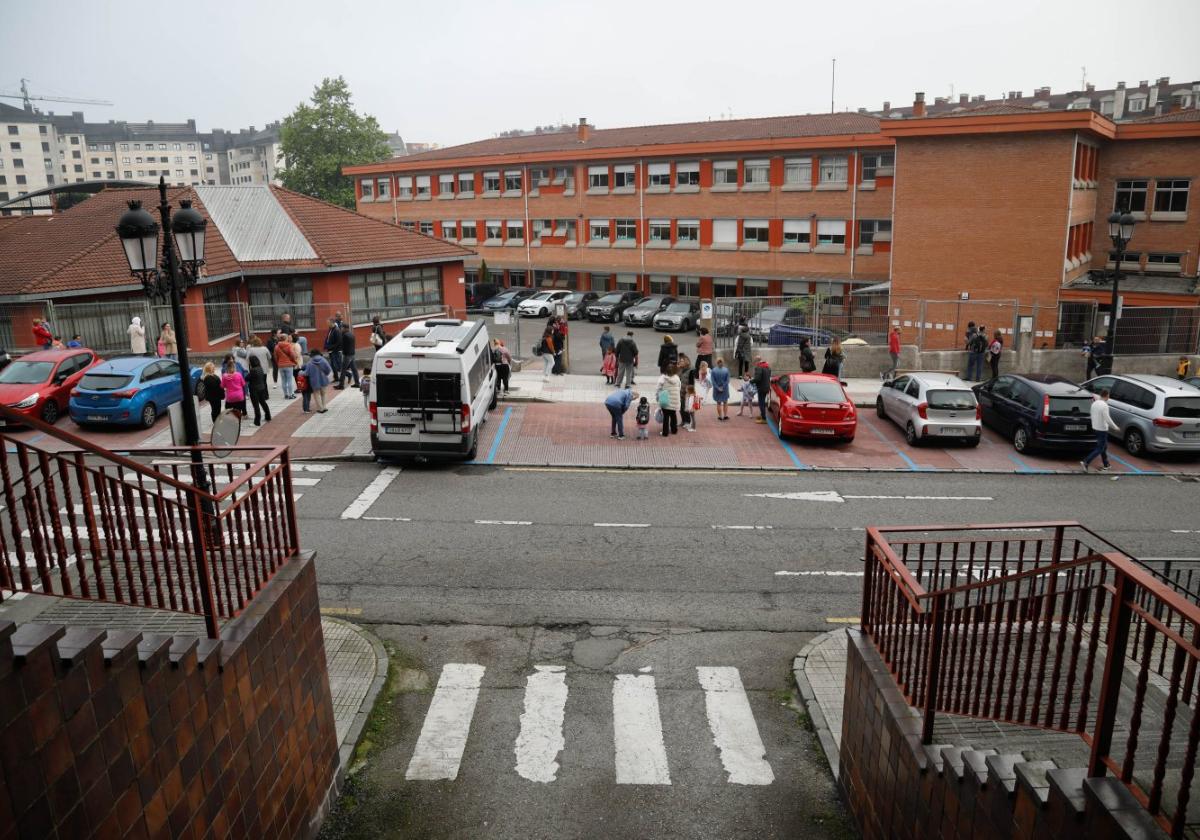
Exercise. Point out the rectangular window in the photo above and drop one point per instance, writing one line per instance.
(1171, 196)
(874, 230)
(757, 172)
(466, 183)
(687, 287)
(660, 284)
(514, 230)
(468, 230)
(516, 278)
(491, 182)
(396, 294)
(831, 232)
(422, 186)
(660, 174)
(1131, 196)
(687, 173)
(833, 169)
(724, 231)
(445, 185)
(626, 282)
(687, 230)
(14, 129)
(539, 176)
(562, 175)
(597, 177)
(368, 187)
(383, 186)
(627, 230)
(426, 228)
(450, 230)
(623, 177)
(877, 163)
(754, 288)
(404, 186)
(597, 229)
(725, 173)
(1164, 262)
(660, 230)
(565, 227)
(512, 181)
(16, 147)
(724, 287)
(540, 228)
(756, 231)
(492, 229)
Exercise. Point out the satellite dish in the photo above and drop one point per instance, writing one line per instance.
(226, 431)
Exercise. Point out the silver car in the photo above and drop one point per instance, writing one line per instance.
(1154, 413)
(931, 405)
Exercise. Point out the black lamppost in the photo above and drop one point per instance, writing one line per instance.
(1120, 231)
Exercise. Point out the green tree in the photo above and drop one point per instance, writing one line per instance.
(484, 273)
(317, 140)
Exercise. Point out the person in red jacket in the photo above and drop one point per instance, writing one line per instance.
(42, 336)
(894, 349)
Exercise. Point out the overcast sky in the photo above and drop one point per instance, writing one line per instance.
(452, 71)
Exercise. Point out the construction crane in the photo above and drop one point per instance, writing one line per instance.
(27, 99)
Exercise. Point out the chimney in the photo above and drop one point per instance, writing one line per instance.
(1144, 83)
(919, 104)
(887, 107)
(963, 98)
(585, 130)
(1164, 80)
(1042, 93)
(1119, 101)
(940, 100)
(862, 110)
(1020, 94)
(1091, 88)
(982, 97)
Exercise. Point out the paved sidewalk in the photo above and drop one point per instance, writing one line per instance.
(820, 672)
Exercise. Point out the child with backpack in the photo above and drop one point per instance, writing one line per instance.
(364, 383)
(643, 419)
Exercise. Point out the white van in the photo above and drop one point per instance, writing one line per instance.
(432, 387)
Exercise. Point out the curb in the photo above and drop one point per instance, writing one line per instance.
(346, 748)
(809, 697)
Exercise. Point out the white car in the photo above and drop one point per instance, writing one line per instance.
(931, 405)
(541, 304)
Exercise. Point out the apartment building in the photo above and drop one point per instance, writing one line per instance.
(29, 152)
(255, 157)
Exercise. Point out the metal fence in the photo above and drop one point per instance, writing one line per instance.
(1141, 330)
(782, 321)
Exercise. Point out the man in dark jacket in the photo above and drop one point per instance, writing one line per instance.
(668, 353)
(286, 326)
(333, 350)
(627, 353)
(762, 382)
(348, 368)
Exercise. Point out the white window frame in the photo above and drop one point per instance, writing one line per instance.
(724, 166)
(797, 235)
(492, 175)
(469, 177)
(831, 230)
(687, 234)
(513, 191)
(762, 226)
(509, 226)
(661, 172)
(383, 188)
(367, 188)
(761, 168)
(657, 226)
(597, 239)
(453, 237)
(622, 228)
(473, 227)
(687, 176)
(624, 172)
(424, 189)
(491, 226)
(595, 175)
(404, 187)
(447, 185)
(725, 234)
(833, 166)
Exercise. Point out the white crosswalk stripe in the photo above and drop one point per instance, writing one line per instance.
(733, 728)
(447, 723)
(641, 755)
(541, 738)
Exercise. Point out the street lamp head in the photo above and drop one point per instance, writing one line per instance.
(188, 225)
(1127, 222)
(139, 238)
(1120, 228)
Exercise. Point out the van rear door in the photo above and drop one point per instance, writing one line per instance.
(440, 399)
(411, 405)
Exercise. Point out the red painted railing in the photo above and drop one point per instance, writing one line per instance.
(79, 521)
(1045, 625)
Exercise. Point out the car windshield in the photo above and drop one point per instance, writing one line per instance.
(679, 307)
(650, 302)
(539, 296)
(613, 298)
(574, 298)
(505, 295)
(1070, 406)
(1182, 407)
(824, 392)
(950, 400)
(772, 313)
(26, 373)
(104, 381)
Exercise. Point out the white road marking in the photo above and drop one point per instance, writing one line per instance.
(621, 524)
(641, 755)
(444, 734)
(930, 498)
(385, 518)
(733, 728)
(743, 527)
(502, 522)
(541, 738)
(321, 468)
(372, 493)
(838, 498)
(1183, 531)
(818, 574)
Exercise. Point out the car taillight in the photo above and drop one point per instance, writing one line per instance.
(124, 395)
(978, 411)
(466, 419)
(1167, 422)
(923, 411)
(374, 417)
(1046, 409)
(74, 392)
(849, 409)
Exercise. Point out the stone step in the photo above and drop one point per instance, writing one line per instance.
(934, 753)
(1066, 803)
(1031, 776)
(1000, 771)
(976, 762)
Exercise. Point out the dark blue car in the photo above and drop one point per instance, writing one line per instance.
(133, 391)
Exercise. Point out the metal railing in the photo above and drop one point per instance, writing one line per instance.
(782, 321)
(81, 522)
(1045, 625)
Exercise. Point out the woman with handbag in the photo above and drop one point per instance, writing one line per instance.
(546, 348)
(835, 357)
(669, 400)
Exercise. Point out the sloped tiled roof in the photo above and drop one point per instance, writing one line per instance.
(1188, 115)
(995, 110)
(79, 249)
(755, 128)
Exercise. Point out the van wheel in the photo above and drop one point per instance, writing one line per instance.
(1135, 442)
(1021, 439)
(492, 405)
(474, 450)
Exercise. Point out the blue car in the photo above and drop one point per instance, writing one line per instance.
(787, 335)
(133, 390)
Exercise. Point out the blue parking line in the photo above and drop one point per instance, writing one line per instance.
(491, 456)
(912, 465)
(1024, 467)
(36, 437)
(1127, 465)
(800, 465)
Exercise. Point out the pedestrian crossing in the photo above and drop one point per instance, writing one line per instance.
(639, 750)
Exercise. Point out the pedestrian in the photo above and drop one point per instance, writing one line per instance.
(749, 395)
(137, 336)
(808, 362)
(287, 358)
(333, 350)
(241, 357)
(668, 354)
(976, 347)
(1183, 368)
(349, 369)
(76, 341)
(762, 386)
(364, 385)
(379, 336)
(233, 384)
(502, 359)
(643, 419)
(693, 406)
(994, 350)
(668, 400)
(272, 340)
(560, 346)
(168, 342)
(212, 392)
(546, 349)
(1102, 424)
(617, 404)
(42, 336)
(627, 353)
(57, 343)
(256, 388)
(703, 382)
(285, 327)
(704, 348)
(257, 351)
(607, 342)
(319, 373)
(743, 348)
(720, 389)
(893, 351)
(609, 366)
(835, 359)
(686, 375)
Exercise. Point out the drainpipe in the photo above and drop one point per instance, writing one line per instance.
(528, 226)
(854, 156)
(394, 187)
(642, 221)
(892, 246)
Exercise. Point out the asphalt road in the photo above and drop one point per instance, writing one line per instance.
(488, 580)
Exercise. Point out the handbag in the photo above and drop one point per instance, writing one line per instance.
(658, 416)
(664, 398)
(302, 381)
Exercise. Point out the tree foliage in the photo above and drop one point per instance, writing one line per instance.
(317, 140)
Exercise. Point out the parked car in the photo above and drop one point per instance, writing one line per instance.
(578, 302)
(1154, 413)
(477, 293)
(1037, 410)
(931, 405)
(812, 405)
(1194, 381)
(612, 306)
(760, 325)
(39, 384)
(130, 391)
(507, 299)
(786, 335)
(724, 322)
(642, 313)
(680, 315)
(541, 304)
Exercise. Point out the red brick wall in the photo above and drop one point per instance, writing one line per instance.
(120, 735)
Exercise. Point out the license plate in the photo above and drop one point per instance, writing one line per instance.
(1190, 435)
(1075, 428)
(822, 431)
(97, 417)
(397, 430)
(953, 430)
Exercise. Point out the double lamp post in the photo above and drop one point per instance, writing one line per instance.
(1120, 231)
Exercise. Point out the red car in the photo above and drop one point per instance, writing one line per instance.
(39, 384)
(812, 405)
